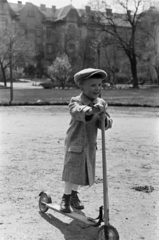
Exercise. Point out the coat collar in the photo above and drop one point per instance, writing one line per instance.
(87, 101)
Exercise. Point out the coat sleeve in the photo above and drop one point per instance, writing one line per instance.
(108, 120)
(78, 111)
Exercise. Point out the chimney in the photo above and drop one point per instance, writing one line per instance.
(19, 4)
(53, 9)
(109, 12)
(42, 7)
(88, 9)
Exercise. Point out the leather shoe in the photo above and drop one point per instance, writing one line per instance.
(65, 204)
(75, 202)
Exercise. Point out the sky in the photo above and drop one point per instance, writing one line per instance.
(57, 3)
(80, 3)
(62, 3)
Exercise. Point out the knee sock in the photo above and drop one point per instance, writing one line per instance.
(75, 187)
(68, 188)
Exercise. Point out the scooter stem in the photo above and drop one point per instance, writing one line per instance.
(105, 181)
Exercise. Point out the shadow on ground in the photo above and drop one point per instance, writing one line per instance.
(73, 230)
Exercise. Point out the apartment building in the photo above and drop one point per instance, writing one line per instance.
(67, 28)
(45, 26)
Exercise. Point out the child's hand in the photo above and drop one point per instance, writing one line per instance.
(107, 119)
(98, 108)
(109, 122)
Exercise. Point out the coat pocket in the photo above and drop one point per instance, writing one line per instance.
(75, 149)
(74, 156)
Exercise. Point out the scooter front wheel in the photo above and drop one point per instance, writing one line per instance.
(107, 233)
(44, 198)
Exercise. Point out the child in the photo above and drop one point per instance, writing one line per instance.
(80, 142)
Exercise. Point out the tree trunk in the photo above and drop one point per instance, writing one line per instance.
(4, 75)
(63, 84)
(98, 56)
(158, 79)
(133, 63)
(157, 73)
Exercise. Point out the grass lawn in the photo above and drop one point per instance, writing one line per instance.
(134, 97)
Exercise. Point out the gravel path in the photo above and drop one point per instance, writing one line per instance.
(31, 149)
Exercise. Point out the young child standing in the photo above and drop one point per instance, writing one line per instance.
(81, 136)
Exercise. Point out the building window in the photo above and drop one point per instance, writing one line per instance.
(49, 48)
(71, 46)
(71, 29)
(3, 23)
(48, 32)
(31, 13)
(39, 32)
(91, 33)
(39, 48)
(72, 16)
(23, 30)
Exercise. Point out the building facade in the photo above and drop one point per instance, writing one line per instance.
(67, 30)
(47, 26)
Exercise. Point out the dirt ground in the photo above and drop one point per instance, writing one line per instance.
(31, 149)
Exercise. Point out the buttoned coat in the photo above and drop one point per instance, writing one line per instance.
(80, 142)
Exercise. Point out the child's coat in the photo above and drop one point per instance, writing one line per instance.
(80, 142)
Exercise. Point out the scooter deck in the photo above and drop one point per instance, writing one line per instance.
(74, 215)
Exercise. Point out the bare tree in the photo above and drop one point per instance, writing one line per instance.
(111, 62)
(151, 27)
(15, 49)
(65, 42)
(97, 44)
(86, 52)
(123, 27)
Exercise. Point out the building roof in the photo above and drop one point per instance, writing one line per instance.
(12, 12)
(48, 13)
(62, 12)
(16, 7)
(54, 15)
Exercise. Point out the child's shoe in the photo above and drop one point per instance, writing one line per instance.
(65, 204)
(75, 202)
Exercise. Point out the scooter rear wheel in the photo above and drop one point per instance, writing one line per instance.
(44, 198)
(107, 233)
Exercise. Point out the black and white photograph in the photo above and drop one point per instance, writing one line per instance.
(79, 120)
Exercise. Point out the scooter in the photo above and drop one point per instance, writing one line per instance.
(106, 231)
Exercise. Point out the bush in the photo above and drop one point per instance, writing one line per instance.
(122, 78)
(60, 70)
(142, 78)
(47, 84)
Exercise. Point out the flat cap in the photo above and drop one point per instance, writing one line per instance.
(87, 73)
